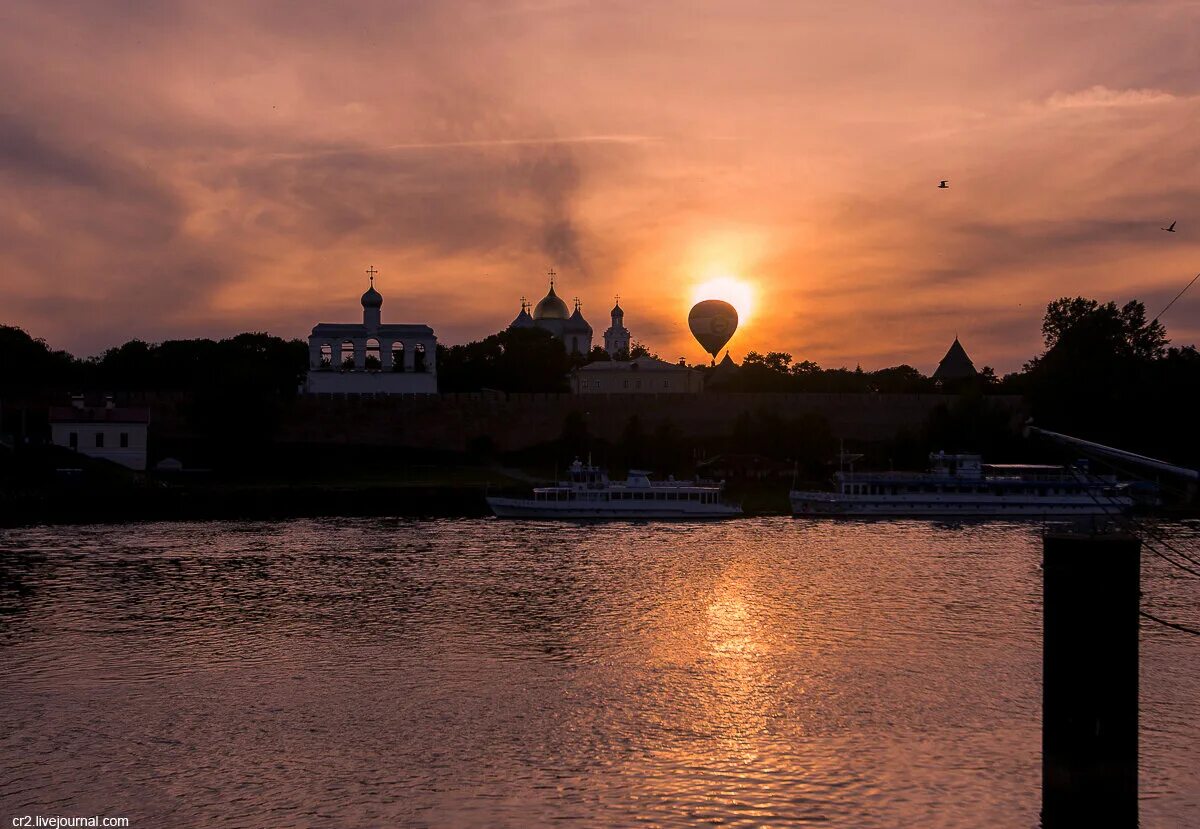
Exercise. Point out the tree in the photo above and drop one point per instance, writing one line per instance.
(900, 379)
(769, 373)
(28, 364)
(1098, 370)
(132, 365)
(1121, 331)
(779, 361)
(638, 349)
(516, 360)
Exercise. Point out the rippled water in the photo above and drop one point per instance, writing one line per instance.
(478, 673)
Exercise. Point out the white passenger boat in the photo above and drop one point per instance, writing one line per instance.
(590, 494)
(964, 486)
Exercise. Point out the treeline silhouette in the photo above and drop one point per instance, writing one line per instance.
(775, 371)
(1109, 374)
(516, 360)
(1106, 372)
(253, 363)
(234, 390)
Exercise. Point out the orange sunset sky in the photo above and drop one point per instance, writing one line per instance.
(178, 169)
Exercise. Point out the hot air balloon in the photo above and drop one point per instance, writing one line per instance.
(713, 322)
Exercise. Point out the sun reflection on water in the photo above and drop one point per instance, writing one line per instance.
(474, 673)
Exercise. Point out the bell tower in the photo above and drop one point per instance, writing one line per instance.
(616, 338)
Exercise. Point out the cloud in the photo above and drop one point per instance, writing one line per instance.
(187, 168)
(447, 201)
(1103, 97)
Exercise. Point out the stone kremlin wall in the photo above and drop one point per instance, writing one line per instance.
(516, 421)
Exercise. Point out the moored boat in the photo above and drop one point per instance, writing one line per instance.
(589, 494)
(961, 485)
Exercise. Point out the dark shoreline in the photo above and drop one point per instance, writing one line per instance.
(276, 503)
(209, 503)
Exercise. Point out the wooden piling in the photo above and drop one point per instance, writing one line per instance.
(1090, 680)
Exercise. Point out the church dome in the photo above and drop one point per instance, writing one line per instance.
(551, 307)
(523, 320)
(372, 298)
(576, 323)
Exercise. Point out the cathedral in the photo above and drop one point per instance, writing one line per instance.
(571, 329)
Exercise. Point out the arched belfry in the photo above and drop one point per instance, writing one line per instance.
(372, 357)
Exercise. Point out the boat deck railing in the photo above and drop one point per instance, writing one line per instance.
(1061, 476)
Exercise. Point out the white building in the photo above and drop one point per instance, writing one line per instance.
(616, 338)
(551, 314)
(372, 358)
(645, 375)
(113, 433)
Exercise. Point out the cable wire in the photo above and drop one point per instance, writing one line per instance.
(1174, 625)
(1146, 544)
(1136, 528)
(1177, 296)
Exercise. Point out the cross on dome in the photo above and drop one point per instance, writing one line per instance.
(372, 299)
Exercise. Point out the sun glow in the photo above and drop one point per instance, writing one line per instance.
(736, 292)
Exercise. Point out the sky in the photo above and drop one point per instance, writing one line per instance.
(185, 169)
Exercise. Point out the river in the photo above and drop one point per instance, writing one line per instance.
(374, 672)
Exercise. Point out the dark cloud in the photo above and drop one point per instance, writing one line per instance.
(31, 157)
(447, 201)
(553, 177)
(27, 157)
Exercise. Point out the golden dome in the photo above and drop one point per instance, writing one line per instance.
(551, 307)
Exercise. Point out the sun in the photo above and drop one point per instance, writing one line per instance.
(737, 292)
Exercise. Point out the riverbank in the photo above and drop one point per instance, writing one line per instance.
(413, 491)
(282, 501)
(240, 503)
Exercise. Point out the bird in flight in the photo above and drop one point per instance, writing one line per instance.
(944, 185)
(1170, 229)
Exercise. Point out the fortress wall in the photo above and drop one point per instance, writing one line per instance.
(517, 421)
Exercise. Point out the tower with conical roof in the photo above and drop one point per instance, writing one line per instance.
(577, 334)
(725, 372)
(616, 338)
(956, 365)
